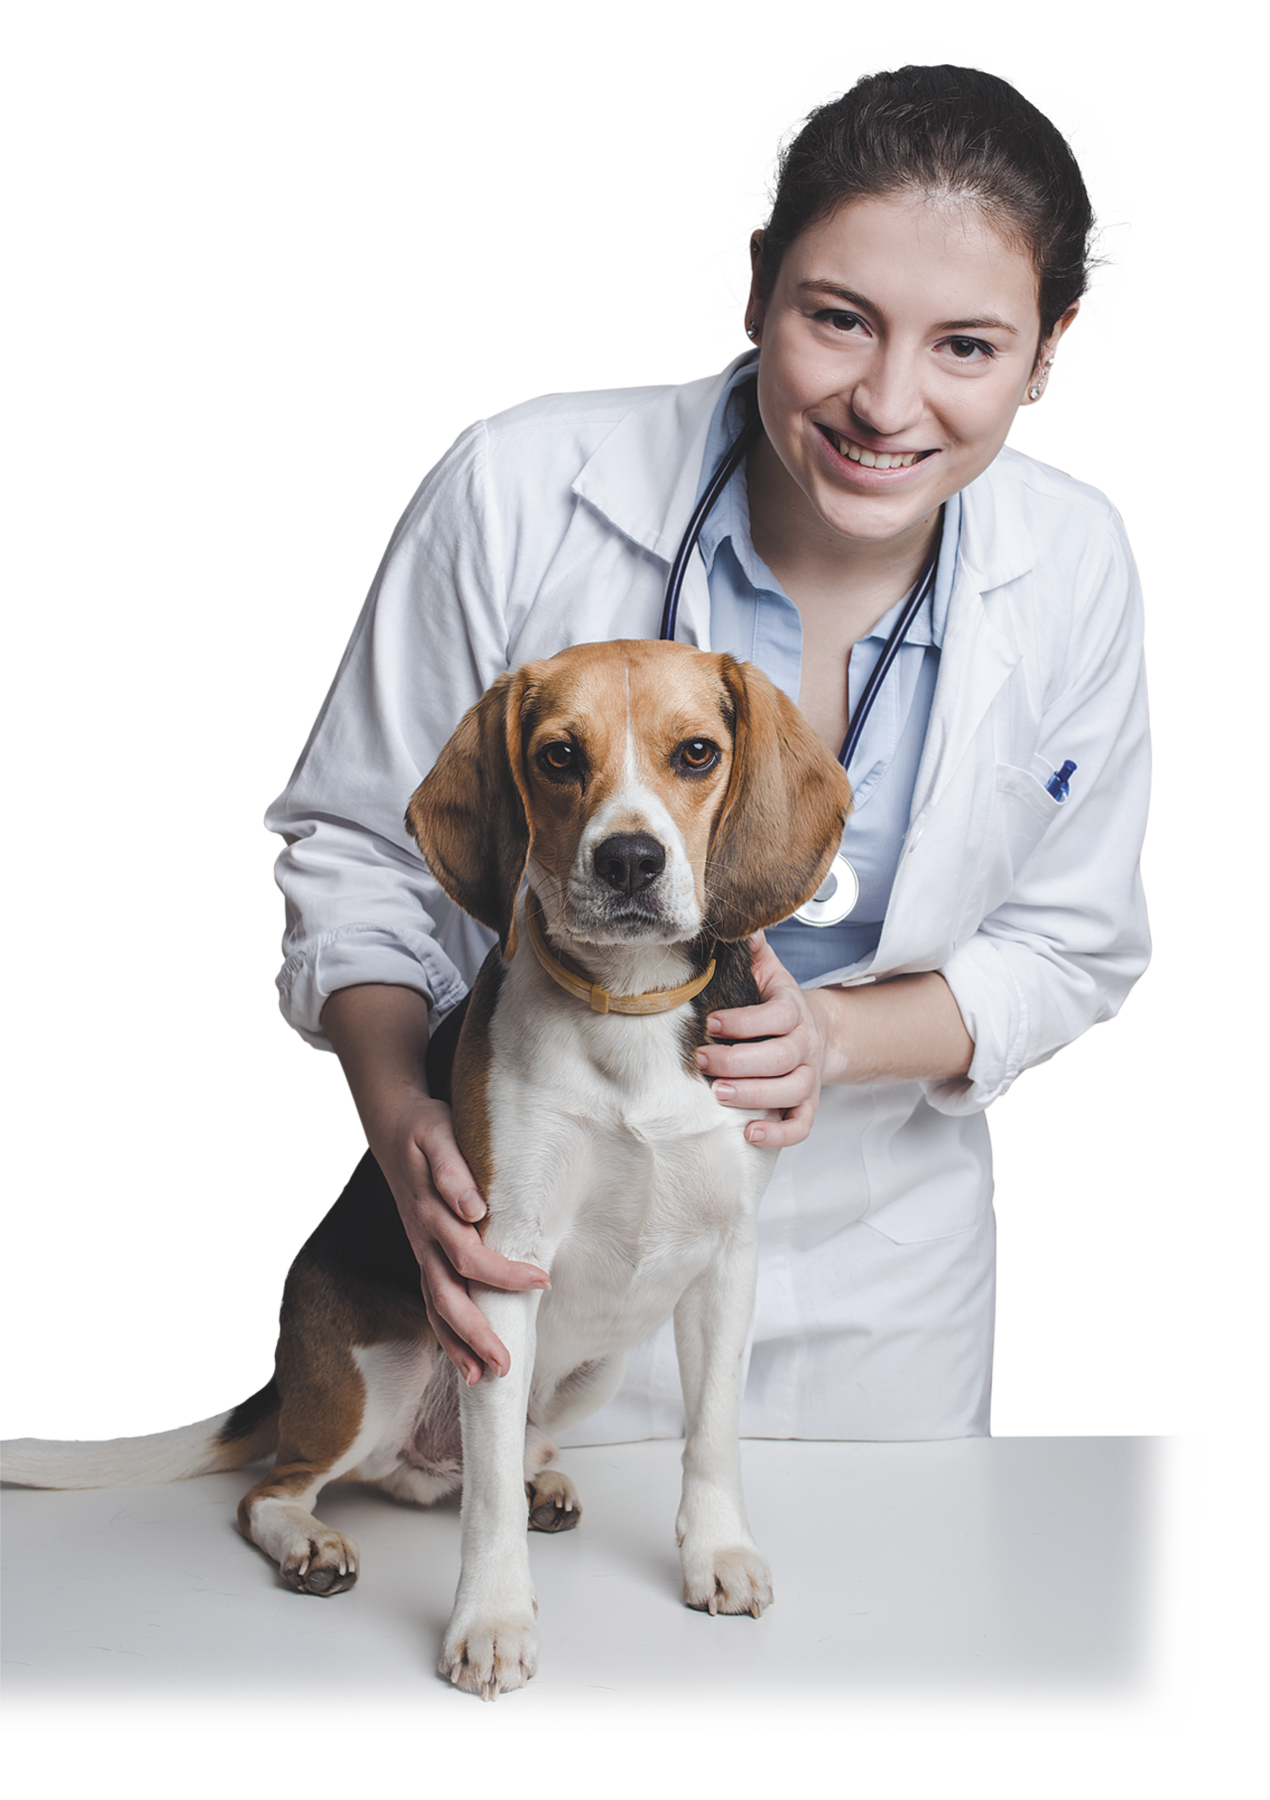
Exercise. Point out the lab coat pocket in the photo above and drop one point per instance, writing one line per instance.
(1025, 810)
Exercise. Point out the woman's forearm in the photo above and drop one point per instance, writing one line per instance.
(907, 1029)
(380, 1035)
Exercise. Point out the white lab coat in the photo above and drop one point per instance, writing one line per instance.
(554, 524)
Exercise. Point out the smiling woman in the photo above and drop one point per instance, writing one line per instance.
(924, 256)
(878, 406)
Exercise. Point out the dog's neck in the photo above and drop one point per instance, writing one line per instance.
(624, 978)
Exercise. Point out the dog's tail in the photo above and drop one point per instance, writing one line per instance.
(231, 1440)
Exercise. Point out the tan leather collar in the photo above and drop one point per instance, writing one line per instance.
(599, 999)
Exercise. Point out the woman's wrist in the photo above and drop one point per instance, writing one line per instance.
(909, 1028)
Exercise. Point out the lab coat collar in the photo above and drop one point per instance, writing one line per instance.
(646, 475)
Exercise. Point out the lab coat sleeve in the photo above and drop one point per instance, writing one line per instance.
(361, 905)
(1064, 949)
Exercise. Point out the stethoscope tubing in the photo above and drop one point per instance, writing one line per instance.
(692, 531)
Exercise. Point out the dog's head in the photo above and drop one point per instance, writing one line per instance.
(654, 792)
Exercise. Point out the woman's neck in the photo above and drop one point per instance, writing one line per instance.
(841, 586)
(858, 580)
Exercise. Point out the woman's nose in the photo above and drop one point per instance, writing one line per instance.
(887, 398)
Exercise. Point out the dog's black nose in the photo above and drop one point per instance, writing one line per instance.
(629, 861)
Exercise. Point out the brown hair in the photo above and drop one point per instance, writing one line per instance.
(945, 132)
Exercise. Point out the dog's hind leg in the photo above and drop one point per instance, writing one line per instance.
(324, 1429)
(319, 1437)
(553, 1500)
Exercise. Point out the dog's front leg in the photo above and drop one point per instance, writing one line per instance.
(491, 1643)
(723, 1569)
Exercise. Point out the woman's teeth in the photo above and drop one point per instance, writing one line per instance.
(872, 459)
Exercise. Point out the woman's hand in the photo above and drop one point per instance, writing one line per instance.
(438, 1201)
(904, 1028)
(380, 1034)
(784, 1072)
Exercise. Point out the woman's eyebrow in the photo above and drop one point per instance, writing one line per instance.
(988, 322)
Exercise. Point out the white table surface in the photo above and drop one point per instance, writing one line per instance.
(1016, 1563)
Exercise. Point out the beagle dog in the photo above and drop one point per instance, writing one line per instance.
(624, 815)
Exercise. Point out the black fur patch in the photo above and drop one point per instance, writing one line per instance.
(252, 1413)
(442, 1044)
(733, 984)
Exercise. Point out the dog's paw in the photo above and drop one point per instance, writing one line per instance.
(553, 1504)
(324, 1563)
(734, 1579)
(490, 1656)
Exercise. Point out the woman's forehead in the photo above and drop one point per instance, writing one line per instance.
(911, 251)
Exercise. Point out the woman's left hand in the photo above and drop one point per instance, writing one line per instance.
(781, 1074)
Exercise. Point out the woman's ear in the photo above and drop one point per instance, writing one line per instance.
(1045, 356)
(470, 815)
(781, 821)
(754, 304)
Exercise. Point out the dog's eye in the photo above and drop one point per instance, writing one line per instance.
(696, 756)
(559, 759)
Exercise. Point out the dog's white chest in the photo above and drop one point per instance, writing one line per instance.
(615, 1167)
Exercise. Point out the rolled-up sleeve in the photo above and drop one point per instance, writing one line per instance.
(361, 904)
(1065, 948)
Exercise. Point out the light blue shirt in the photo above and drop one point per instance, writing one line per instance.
(752, 617)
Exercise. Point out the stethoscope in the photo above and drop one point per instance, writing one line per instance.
(839, 892)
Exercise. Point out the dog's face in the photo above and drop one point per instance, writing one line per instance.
(653, 791)
(626, 771)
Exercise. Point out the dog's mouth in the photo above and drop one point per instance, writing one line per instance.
(630, 921)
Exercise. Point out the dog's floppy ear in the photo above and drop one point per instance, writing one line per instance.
(470, 816)
(782, 817)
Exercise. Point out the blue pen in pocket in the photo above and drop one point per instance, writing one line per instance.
(1056, 786)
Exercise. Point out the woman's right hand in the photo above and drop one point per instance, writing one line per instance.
(380, 1035)
(439, 1203)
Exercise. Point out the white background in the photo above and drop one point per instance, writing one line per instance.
(271, 258)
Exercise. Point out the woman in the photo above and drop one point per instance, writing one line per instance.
(924, 257)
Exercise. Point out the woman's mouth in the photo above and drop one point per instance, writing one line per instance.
(873, 459)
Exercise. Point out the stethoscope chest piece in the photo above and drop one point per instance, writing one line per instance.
(835, 899)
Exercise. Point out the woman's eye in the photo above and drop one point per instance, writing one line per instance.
(695, 756)
(841, 321)
(558, 759)
(970, 349)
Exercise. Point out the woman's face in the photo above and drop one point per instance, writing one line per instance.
(900, 338)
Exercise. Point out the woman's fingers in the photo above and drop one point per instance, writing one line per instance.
(450, 1175)
(437, 1197)
(775, 1062)
(770, 1057)
(462, 1329)
(779, 1134)
(774, 1017)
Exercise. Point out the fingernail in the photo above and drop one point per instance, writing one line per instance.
(757, 1135)
(702, 1059)
(714, 1024)
(723, 1090)
(472, 1376)
(542, 1284)
(473, 1207)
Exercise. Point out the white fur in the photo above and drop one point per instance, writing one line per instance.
(620, 1174)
